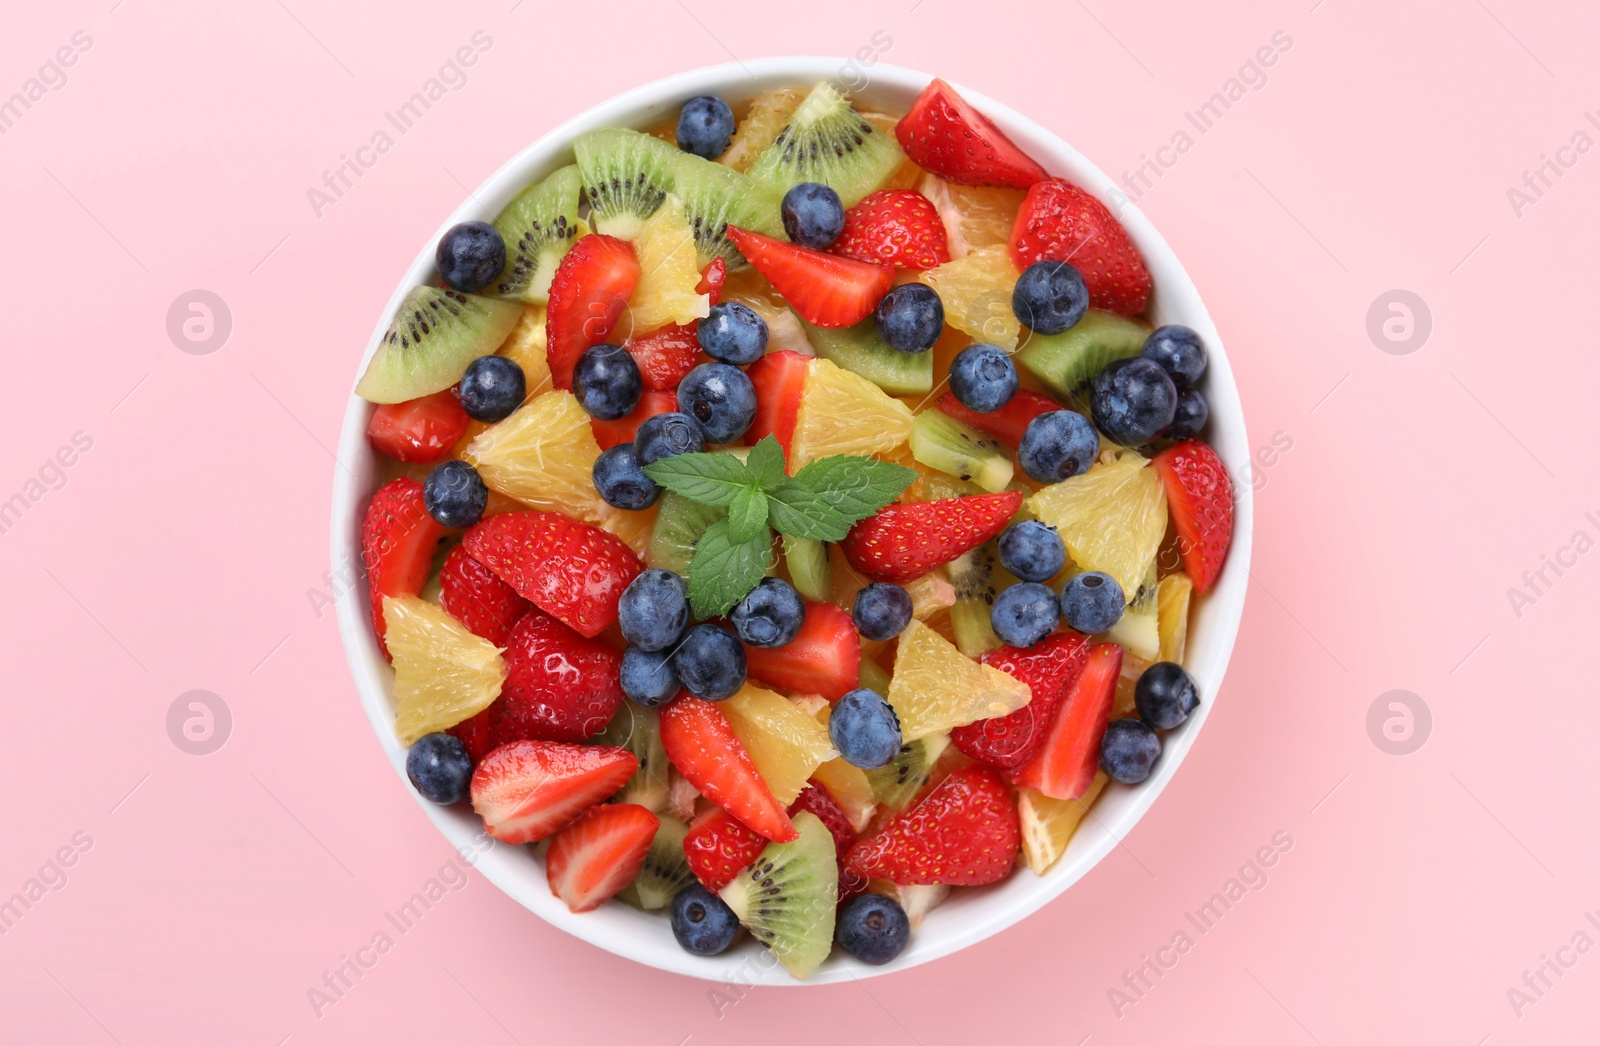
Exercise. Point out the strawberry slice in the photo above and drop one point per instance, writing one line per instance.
(1009, 422)
(587, 296)
(1049, 667)
(472, 594)
(397, 542)
(962, 833)
(701, 744)
(825, 289)
(944, 134)
(666, 356)
(780, 380)
(1060, 221)
(598, 854)
(899, 227)
(610, 433)
(712, 277)
(823, 658)
(572, 571)
(719, 847)
(1064, 767)
(903, 542)
(422, 429)
(1200, 498)
(529, 790)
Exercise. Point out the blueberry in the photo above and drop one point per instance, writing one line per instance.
(621, 481)
(910, 318)
(705, 126)
(702, 922)
(720, 398)
(864, 729)
(710, 662)
(1050, 297)
(470, 256)
(654, 610)
(872, 928)
(1092, 602)
(1178, 351)
(1024, 614)
(770, 614)
(733, 333)
(1058, 446)
(1189, 416)
(649, 678)
(440, 768)
(1165, 695)
(1133, 400)
(454, 494)
(491, 388)
(606, 382)
(813, 215)
(983, 377)
(666, 435)
(1128, 749)
(1032, 551)
(882, 610)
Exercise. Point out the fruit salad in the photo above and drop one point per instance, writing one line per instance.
(790, 518)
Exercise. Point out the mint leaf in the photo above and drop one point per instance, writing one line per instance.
(765, 463)
(723, 571)
(802, 513)
(747, 516)
(856, 487)
(710, 478)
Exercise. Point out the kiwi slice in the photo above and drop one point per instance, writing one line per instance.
(872, 675)
(679, 524)
(638, 730)
(626, 175)
(1065, 362)
(860, 349)
(435, 333)
(1138, 629)
(715, 197)
(807, 561)
(538, 227)
(665, 870)
(977, 578)
(941, 442)
(787, 897)
(898, 783)
(828, 141)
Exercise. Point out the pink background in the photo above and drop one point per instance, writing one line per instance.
(180, 551)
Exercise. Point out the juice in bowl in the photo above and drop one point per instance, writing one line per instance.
(794, 521)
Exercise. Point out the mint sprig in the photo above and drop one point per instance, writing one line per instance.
(820, 502)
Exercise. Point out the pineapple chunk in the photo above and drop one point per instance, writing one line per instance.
(443, 674)
(936, 687)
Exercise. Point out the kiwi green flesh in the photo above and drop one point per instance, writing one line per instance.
(941, 442)
(638, 730)
(872, 676)
(538, 227)
(809, 571)
(626, 177)
(977, 578)
(435, 333)
(679, 524)
(787, 897)
(1065, 362)
(859, 349)
(1137, 630)
(898, 783)
(715, 197)
(665, 870)
(828, 141)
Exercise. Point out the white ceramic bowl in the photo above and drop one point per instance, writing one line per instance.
(969, 915)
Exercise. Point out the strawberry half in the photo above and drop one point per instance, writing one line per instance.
(1065, 765)
(472, 594)
(598, 854)
(569, 569)
(825, 289)
(903, 542)
(422, 429)
(823, 658)
(587, 295)
(780, 380)
(701, 744)
(610, 433)
(1060, 221)
(397, 542)
(1200, 498)
(718, 847)
(1009, 422)
(666, 356)
(899, 227)
(529, 790)
(944, 134)
(962, 833)
(1048, 667)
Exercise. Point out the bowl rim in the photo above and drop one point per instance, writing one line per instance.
(985, 911)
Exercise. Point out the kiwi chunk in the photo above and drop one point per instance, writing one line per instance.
(860, 349)
(626, 176)
(898, 783)
(679, 524)
(435, 333)
(665, 870)
(787, 897)
(872, 676)
(807, 561)
(828, 141)
(977, 578)
(1138, 629)
(941, 442)
(538, 227)
(1065, 362)
(638, 729)
(715, 197)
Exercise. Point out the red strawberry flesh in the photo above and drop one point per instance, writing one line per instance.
(571, 570)
(825, 289)
(1065, 765)
(823, 658)
(597, 855)
(529, 790)
(718, 847)
(899, 227)
(398, 539)
(1009, 422)
(587, 295)
(962, 833)
(1048, 667)
(702, 745)
(944, 134)
(903, 542)
(1062, 222)
(422, 429)
(1200, 498)
(472, 594)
